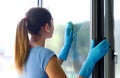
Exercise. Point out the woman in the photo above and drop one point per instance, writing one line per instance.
(33, 60)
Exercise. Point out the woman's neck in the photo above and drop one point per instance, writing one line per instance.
(37, 41)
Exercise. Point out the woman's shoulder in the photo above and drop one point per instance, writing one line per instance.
(43, 56)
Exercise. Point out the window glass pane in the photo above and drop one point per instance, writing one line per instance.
(117, 35)
(11, 11)
(78, 12)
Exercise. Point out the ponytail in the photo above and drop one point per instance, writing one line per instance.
(22, 45)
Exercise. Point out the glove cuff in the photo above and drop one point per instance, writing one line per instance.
(87, 68)
(64, 53)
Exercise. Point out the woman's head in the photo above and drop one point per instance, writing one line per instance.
(38, 22)
(37, 19)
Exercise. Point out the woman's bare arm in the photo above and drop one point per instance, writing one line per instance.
(54, 69)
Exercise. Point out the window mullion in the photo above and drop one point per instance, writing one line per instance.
(98, 33)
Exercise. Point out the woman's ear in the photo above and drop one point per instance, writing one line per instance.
(47, 28)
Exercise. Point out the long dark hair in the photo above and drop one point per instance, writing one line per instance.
(35, 19)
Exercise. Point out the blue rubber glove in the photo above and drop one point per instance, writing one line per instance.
(68, 38)
(94, 55)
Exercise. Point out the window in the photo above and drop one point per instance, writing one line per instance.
(78, 12)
